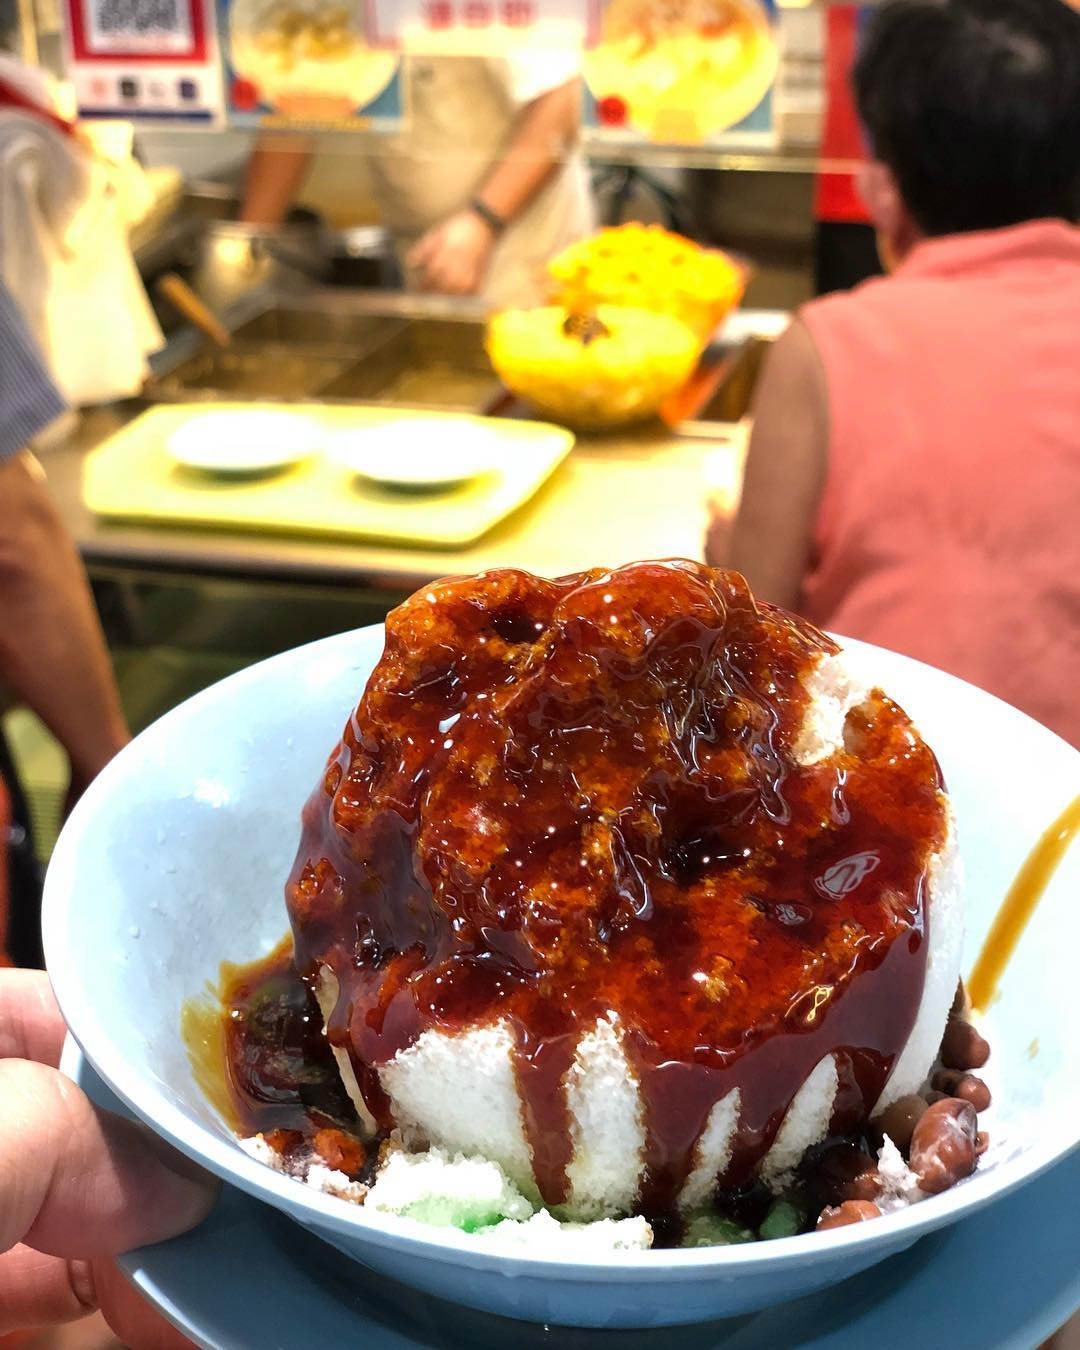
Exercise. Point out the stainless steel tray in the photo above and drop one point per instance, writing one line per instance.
(295, 349)
(374, 348)
(251, 369)
(429, 363)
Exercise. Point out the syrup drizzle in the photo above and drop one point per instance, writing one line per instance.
(1019, 904)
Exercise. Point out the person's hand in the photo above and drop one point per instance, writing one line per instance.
(719, 527)
(77, 1185)
(81, 774)
(453, 257)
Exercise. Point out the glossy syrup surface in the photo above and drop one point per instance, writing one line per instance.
(561, 800)
(259, 1052)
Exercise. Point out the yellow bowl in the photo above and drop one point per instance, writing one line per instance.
(617, 366)
(647, 267)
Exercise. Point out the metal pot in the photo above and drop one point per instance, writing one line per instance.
(235, 258)
(364, 257)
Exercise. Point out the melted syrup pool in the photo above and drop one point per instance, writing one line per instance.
(259, 1052)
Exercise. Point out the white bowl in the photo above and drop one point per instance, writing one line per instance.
(421, 453)
(244, 441)
(176, 857)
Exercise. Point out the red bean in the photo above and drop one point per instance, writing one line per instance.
(966, 1086)
(959, 1003)
(982, 1143)
(851, 1211)
(943, 1145)
(899, 1119)
(962, 1047)
(844, 1172)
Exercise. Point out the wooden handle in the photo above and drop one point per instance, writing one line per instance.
(176, 290)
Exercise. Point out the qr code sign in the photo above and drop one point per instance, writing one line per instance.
(138, 26)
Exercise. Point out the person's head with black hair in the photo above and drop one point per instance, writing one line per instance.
(972, 112)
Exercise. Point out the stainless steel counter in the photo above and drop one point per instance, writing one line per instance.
(183, 606)
(639, 493)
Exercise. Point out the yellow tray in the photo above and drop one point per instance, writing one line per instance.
(132, 476)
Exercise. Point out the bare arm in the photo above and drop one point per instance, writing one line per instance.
(544, 129)
(52, 652)
(785, 473)
(275, 174)
(453, 257)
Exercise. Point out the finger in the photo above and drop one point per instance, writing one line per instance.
(76, 1181)
(39, 1291)
(421, 251)
(30, 1023)
(44, 1291)
(130, 1316)
(465, 283)
(441, 276)
(455, 282)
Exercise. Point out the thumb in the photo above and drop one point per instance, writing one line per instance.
(79, 1182)
(42, 1291)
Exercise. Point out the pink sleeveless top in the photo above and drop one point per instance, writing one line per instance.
(949, 526)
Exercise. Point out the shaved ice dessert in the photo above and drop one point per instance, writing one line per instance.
(628, 910)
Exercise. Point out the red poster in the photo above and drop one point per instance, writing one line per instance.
(836, 199)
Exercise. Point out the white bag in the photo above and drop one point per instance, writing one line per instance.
(64, 256)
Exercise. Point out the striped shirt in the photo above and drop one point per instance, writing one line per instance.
(28, 399)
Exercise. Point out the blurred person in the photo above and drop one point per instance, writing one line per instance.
(913, 477)
(481, 188)
(77, 1185)
(53, 657)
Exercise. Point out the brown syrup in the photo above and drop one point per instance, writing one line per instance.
(258, 1051)
(1019, 904)
(559, 799)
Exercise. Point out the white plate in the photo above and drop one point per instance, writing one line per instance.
(174, 858)
(244, 440)
(421, 453)
(248, 1277)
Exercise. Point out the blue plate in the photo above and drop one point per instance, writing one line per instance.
(250, 1276)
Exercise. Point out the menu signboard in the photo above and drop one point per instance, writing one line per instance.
(679, 72)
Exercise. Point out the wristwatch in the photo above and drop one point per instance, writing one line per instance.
(491, 219)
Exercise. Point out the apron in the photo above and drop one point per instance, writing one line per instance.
(460, 115)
